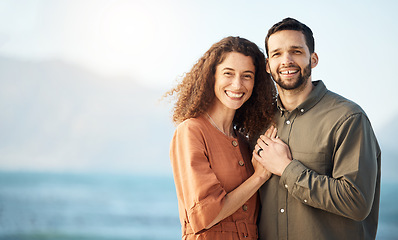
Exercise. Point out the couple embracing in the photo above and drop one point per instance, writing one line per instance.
(251, 161)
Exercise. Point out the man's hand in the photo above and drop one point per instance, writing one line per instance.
(275, 154)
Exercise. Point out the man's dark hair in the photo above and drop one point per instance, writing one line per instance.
(292, 24)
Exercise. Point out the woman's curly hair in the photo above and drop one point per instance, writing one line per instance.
(195, 93)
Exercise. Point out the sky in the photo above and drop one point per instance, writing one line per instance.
(154, 42)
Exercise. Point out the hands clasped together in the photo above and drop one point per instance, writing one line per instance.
(271, 155)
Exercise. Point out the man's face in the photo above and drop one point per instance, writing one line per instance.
(289, 61)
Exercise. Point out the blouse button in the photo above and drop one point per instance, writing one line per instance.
(241, 163)
(244, 207)
(234, 143)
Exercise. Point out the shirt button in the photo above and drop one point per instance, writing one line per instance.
(302, 110)
(305, 200)
(287, 122)
(282, 210)
(244, 207)
(285, 185)
(241, 163)
(234, 143)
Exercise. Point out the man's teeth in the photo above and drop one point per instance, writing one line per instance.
(234, 95)
(289, 71)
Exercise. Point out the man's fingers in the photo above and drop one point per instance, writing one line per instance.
(278, 140)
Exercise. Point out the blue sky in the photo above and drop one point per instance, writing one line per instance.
(156, 41)
(153, 42)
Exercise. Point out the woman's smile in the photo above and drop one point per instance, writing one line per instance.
(234, 95)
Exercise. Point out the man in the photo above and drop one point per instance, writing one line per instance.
(328, 185)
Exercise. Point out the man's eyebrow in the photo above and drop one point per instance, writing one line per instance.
(291, 47)
(297, 47)
(275, 50)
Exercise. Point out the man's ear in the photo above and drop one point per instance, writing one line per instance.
(314, 60)
(267, 66)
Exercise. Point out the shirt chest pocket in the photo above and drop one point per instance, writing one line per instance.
(314, 161)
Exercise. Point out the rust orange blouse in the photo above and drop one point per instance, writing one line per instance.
(207, 165)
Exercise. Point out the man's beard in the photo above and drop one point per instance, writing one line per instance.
(302, 79)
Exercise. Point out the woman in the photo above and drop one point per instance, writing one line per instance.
(226, 100)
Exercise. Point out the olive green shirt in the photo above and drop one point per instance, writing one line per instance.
(331, 188)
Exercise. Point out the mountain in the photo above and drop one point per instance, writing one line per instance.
(58, 116)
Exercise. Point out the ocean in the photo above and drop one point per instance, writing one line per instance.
(87, 207)
(71, 206)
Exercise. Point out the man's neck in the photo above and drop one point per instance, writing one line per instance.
(292, 98)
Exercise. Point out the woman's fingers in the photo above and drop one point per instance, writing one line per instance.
(274, 132)
(269, 131)
(265, 139)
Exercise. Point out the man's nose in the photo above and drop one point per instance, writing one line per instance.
(287, 59)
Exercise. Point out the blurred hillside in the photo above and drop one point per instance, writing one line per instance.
(57, 116)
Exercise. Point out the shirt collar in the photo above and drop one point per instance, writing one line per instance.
(313, 98)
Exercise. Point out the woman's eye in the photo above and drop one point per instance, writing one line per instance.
(228, 73)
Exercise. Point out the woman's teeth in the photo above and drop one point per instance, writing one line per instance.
(233, 95)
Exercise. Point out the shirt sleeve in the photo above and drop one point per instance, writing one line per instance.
(197, 185)
(350, 191)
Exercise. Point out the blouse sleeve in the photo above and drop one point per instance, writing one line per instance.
(198, 188)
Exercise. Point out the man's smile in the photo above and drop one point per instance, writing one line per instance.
(287, 72)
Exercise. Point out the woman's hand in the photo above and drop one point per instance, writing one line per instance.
(270, 133)
(237, 197)
(272, 153)
(260, 170)
(258, 167)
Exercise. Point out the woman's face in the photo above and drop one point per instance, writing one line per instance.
(234, 80)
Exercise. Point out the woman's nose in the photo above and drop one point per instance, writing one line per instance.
(237, 81)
